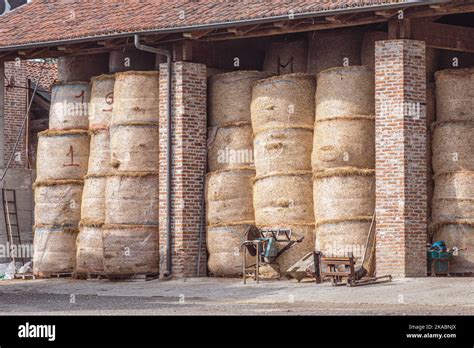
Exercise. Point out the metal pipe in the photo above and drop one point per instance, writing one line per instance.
(169, 152)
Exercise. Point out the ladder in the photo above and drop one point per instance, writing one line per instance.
(10, 213)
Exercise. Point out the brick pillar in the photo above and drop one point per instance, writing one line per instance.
(401, 158)
(2, 113)
(189, 116)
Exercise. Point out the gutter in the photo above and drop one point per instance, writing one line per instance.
(221, 25)
(169, 152)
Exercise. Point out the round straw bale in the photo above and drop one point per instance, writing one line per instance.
(368, 47)
(93, 200)
(455, 94)
(461, 236)
(340, 238)
(99, 156)
(286, 57)
(345, 92)
(283, 199)
(283, 150)
(452, 147)
(230, 147)
(340, 197)
(230, 95)
(130, 250)
(62, 155)
(285, 101)
(344, 142)
(69, 106)
(90, 253)
(136, 97)
(132, 199)
(102, 100)
(335, 47)
(134, 148)
(54, 250)
(58, 204)
(453, 196)
(225, 254)
(229, 196)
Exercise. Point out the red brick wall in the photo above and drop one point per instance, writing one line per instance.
(401, 158)
(189, 114)
(15, 109)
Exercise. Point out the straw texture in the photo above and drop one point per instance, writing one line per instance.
(283, 150)
(99, 154)
(93, 200)
(136, 97)
(455, 94)
(102, 100)
(90, 253)
(62, 155)
(69, 106)
(285, 101)
(230, 95)
(345, 92)
(134, 148)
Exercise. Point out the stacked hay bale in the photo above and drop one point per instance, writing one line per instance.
(89, 253)
(62, 160)
(230, 169)
(343, 160)
(453, 165)
(130, 232)
(282, 113)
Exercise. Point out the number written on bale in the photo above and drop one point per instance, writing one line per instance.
(71, 153)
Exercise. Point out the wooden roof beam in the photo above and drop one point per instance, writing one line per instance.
(196, 35)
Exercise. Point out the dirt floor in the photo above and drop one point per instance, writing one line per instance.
(209, 296)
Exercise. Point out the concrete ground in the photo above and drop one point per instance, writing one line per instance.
(211, 296)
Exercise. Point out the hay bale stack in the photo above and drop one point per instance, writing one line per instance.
(455, 95)
(333, 48)
(54, 250)
(102, 100)
(459, 235)
(452, 208)
(282, 113)
(230, 147)
(134, 147)
(136, 97)
(345, 92)
(130, 250)
(452, 146)
(69, 105)
(62, 155)
(286, 57)
(230, 95)
(343, 161)
(229, 206)
(132, 199)
(58, 203)
(283, 102)
(368, 47)
(229, 197)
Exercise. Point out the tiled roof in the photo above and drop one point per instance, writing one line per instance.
(46, 73)
(44, 21)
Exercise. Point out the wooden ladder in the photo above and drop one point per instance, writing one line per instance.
(10, 213)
